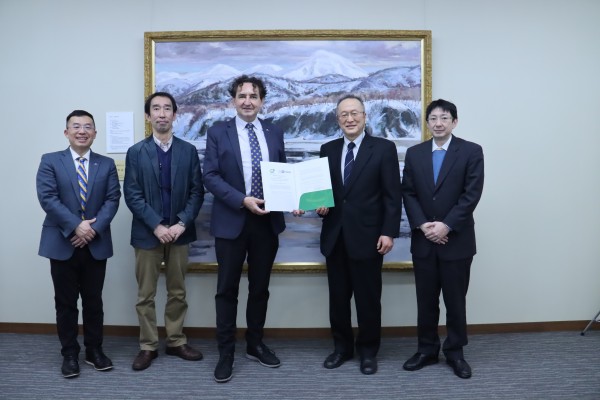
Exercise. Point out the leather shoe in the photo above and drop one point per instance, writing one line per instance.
(97, 359)
(144, 359)
(186, 352)
(461, 368)
(265, 356)
(368, 365)
(70, 367)
(420, 360)
(224, 368)
(336, 359)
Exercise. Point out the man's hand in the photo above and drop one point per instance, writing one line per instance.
(253, 204)
(436, 231)
(84, 233)
(384, 244)
(323, 211)
(163, 234)
(176, 231)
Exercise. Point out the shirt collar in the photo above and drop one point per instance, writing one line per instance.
(356, 141)
(163, 146)
(76, 156)
(434, 146)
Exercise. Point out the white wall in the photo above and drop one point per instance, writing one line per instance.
(524, 75)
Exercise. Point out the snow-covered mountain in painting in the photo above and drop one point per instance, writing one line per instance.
(302, 99)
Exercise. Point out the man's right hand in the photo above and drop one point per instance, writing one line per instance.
(253, 204)
(163, 234)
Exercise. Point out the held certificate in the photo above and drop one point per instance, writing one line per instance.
(302, 186)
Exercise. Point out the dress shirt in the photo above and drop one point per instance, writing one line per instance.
(163, 146)
(245, 148)
(357, 142)
(86, 165)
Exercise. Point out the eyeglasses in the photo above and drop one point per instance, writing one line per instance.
(354, 114)
(86, 127)
(444, 119)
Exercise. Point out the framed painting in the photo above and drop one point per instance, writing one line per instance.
(305, 72)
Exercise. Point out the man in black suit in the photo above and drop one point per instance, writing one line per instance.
(358, 232)
(243, 229)
(442, 184)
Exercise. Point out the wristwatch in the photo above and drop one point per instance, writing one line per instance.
(180, 223)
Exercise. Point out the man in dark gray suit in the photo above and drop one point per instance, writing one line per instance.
(79, 192)
(358, 232)
(241, 226)
(441, 185)
(164, 191)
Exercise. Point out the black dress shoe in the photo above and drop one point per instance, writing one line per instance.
(420, 360)
(144, 359)
(461, 368)
(224, 368)
(97, 359)
(336, 359)
(368, 365)
(185, 352)
(263, 355)
(70, 367)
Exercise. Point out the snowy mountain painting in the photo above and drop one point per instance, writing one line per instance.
(304, 80)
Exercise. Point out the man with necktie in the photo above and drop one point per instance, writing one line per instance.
(243, 229)
(79, 191)
(358, 232)
(442, 184)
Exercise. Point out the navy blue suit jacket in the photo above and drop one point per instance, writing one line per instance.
(224, 177)
(452, 200)
(143, 194)
(370, 204)
(58, 193)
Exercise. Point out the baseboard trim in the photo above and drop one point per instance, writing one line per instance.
(310, 333)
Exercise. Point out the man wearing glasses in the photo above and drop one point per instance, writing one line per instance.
(441, 186)
(79, 192)
(358, 232)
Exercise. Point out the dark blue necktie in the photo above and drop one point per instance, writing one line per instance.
(349, 161)
(256, 188)
(437, 158)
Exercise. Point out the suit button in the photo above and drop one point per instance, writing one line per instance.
(433, 198)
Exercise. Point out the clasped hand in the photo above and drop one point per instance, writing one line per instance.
(435, 231)
(84, 233)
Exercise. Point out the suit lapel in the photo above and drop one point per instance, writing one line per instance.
(70, 170)
(175, 159)
(335, 162)
(92, 172)
(271, 141)
(449, 160)
(150, 149)
(232, 134)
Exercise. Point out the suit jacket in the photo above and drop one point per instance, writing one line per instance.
(143, 193)
(58, 193)
(452, 200)
(370, 204)
(224, 177)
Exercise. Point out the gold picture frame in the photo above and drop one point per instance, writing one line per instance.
(390, 69)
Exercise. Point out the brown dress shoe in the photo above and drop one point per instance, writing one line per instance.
(186, 352)
(144, 359)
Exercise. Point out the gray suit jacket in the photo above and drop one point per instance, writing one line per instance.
(143, 195)
(58, 193)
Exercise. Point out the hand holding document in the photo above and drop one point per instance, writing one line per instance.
(302, 186)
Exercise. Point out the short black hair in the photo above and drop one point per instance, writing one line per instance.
(159, 94)
(80, 113)
(444, 105)
(256, 83)
(350, 96)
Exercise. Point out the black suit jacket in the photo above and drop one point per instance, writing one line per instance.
(370, 204)
(452, 200)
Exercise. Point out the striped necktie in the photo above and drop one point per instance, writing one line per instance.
(256, 188)
(349, 161)
(82, 178)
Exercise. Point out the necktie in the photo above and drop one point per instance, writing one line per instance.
(349, 161)
(437, 158)
(256, 188)
(82, 178)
